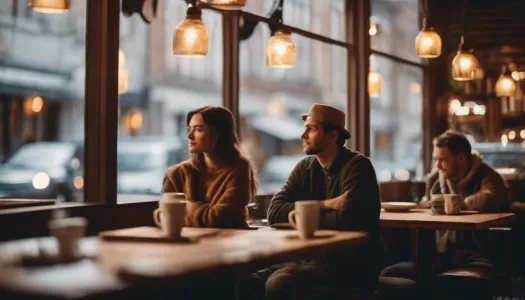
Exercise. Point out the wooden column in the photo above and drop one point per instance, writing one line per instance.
(101, 119)
(358, 60)
(230, 65)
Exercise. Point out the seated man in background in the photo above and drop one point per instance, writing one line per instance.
(344, 181)
(459, 171)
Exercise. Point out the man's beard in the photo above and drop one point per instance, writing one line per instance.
(313, 150)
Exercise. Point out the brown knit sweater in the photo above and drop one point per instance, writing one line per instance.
(222, 195)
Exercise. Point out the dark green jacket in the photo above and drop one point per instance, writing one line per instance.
(350, 171)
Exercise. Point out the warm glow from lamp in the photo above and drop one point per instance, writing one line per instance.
(463, 66)
(512, 135)
(504, 140)
(415, 87)
(280, 51)
(505, 86)
(373, 29)
(191, 36)
(375, 83)
(49, 6)
(134, 120)
(226, 4)
(522, 134)
(428, 43)
(123, 74)
(479, 110)
(33, 105)
(515, 75)
(479, 73)
(78, 182)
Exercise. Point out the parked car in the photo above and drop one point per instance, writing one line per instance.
(508, 160)
(44, 170)
(276, 171)
(142, 163)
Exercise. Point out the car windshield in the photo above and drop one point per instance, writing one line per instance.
(42, 155)
(133, 160)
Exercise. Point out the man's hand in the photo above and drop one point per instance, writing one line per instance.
(336, 203)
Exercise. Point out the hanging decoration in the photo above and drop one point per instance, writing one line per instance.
(191, 36)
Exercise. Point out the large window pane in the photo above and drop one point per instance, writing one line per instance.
(162, 89)
(395, 121)
(272, 100)
(42, 79)
(318, 16)
(395, 28)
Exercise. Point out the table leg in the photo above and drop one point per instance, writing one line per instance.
(425, 250)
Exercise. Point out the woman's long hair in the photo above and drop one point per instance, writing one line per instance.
(225, 141)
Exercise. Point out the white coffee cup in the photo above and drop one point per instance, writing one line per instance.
(171, 213)
(68, 232)
(305, 218)
(453, 203)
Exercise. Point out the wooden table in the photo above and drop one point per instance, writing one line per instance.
(120, 266)
(426, 225)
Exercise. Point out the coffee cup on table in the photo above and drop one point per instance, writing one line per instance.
(68, 232)
(171, 213)
(305, 218)
(437, 204)
(453, 204)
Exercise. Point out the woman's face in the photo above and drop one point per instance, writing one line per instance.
(200, 137)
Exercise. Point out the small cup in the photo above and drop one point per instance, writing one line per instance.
(437, 204)
(171, 213)
(453, 203)
(305, 218)
(68, 233)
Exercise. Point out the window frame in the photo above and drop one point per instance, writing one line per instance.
(101, 97)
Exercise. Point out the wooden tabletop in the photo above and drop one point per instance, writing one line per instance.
(423, 219)
(113, 263)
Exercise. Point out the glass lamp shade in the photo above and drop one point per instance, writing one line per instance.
(505, 86)
(280, 51)
(428, 44)
(134, 120)
(226, 4)
(121, 59)
(191, 38)
(49, 6)
(123, 79)
(33, 105)
(375, 83)
(464, 65)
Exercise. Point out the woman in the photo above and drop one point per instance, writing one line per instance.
(218, 181)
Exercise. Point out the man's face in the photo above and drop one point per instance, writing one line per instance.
(315, 139)
(446, 162)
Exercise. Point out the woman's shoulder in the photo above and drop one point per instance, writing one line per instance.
(182, 167)
(242, 163)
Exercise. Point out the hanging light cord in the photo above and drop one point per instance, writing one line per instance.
(425, 13)
(464, 24)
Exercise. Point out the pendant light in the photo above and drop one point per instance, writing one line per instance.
(226, 4)
(464, 63)
(428, 41)
(280, 51)
(191, 36)
(505, 85)
(375, 83)
(49, 6)
(123, 74)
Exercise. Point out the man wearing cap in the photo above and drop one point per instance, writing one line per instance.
(345, 183)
